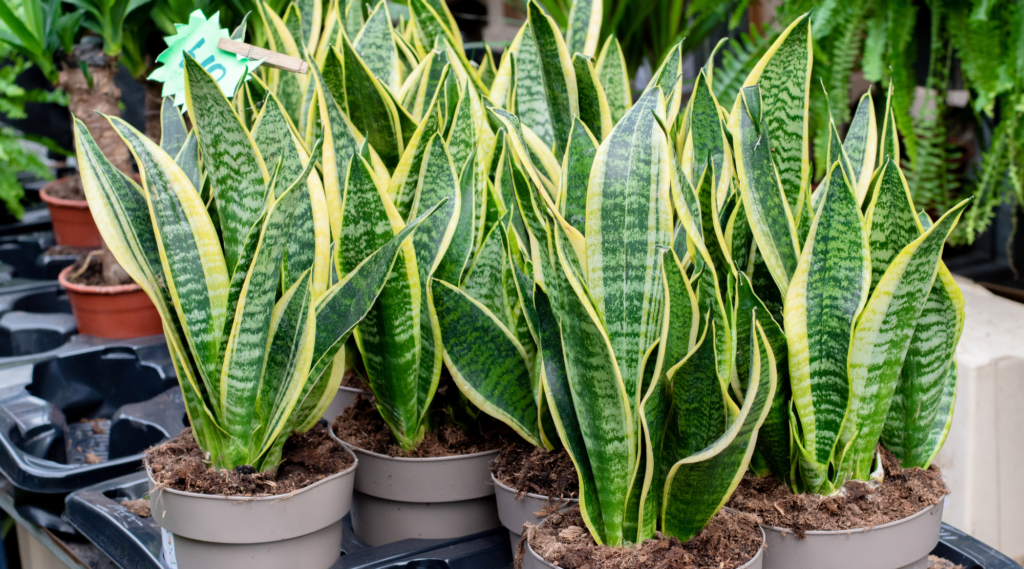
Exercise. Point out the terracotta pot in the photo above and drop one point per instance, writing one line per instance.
(73, 224)
(118, 312)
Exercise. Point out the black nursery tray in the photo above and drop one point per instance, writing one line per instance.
(33, 255)
(86, 415)
(135, 543)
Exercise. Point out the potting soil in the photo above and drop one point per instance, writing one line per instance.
(308, 457)
(528, 469)
(361, 425)
(138, 507)
(903, 493)
(94, 275)
(730, 540)
(69, 188)
(939, 563)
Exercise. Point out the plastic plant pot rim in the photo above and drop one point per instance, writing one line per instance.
(925, 510)
(357, 450)
(62, 278)
(61, 202)
(243, 499)
(756, 560)
(530, 494)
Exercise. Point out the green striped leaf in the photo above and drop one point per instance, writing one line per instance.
(370, 108)
(484, 280)
(861, 144)
(890, 220)
(669, 77)
(593, 105)
(576, 166)
(882, 337)
(784, 76)
(889, 143)
(836, 153)
(828, 291)
(558, 77)
(172, 127)
(230, 157)
(188, 160)
(584, 26)
(352, 17)
(611, 70)
(375, 46)
(433, 20)
(487, 69)
(419, 88)
(698, 486)
(456, 258)
(486, 360)
(708, 136)
(405, 178)
(764, 200)
(338, 148)
(531, 100)
(628, 218)
(288, 86)
(273, 134)
(312, 17)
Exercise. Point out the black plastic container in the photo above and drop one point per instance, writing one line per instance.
(86, 415)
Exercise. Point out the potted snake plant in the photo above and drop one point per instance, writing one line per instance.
(871, 317)
(253, 326)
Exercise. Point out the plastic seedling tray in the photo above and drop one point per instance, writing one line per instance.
(29, 256)
(86, 415)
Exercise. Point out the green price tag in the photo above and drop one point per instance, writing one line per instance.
(199, 38)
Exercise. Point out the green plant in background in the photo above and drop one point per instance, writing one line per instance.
(106, 18)
(251, 314)
(37, 29)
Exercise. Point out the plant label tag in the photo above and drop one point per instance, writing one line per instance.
(167, 551)
(199, 37)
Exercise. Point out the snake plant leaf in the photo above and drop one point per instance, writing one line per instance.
(230, 157)
(405, 177)
(352, 17)
(576, 167)
(669, 78)
(487, 69)
(456, 257)
(191, 259)
(172, 127)
(861, 144)
(375, 46)
(629, 184)
(708, 140)
(484, 279)
(764, 200)
(784, 76)
(293, 21)
(272, 132)
(584, 28)
(593, 104)
(333, 78)
(836, 153)
(530, 101)
(486, 360)
(187, 159)
(312, 19)
(370, 108)
(433, 20)
(420, 87)
(339, 146)
(365, 224)
(288, 86)
(889, 145)
(882, 337)
(327, 33)
(557, 75)
(461, 132)
(698, 486)
(614, 78)
(828, 292)
(890, 219)
(922, 405)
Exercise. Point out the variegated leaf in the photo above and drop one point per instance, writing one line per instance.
(611, 69)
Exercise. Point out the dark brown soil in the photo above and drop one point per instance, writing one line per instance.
(138, 507)
(65, 250)
(528, 469)
(361, 425)
(89, 271)
(69, 188)
(903, 492)
(939, 563)
(307, 458)
(730, 540)
(352, 380)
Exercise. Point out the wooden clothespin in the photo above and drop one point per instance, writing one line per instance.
(270, 58)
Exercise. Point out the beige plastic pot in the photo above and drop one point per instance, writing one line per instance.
(903, 544)
(533, 561)
(302, 529)
(424, 498)
(346, 396)
(514, 511)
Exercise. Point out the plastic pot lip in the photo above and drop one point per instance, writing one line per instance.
(353, 390)
(372, 454)
(923, 511)
(62, 278)
(530, 494)
(242, 499)
(60, 202)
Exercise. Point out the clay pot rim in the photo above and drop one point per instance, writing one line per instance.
(61, 202)
(349, 470)
(507, 488)
(62, 278)
(356, 449)
(917, 514)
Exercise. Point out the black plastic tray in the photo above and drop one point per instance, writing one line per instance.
(29, 255)
(86, 415)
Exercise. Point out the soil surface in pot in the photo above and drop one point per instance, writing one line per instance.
(69, 188)
(352, 380)
(940, 563)
(65, 250)
(88, 271)
(730, 540)
(528, 469)
(308, 457)
(904, 492)
(361, 425)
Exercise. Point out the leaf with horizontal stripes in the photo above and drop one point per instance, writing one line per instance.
(584, 28)
(890, 220)
(288, 86)
(882, 337)
(531, 101)
(352, 17)
(612, 71)
(188, 160)
(230, 158)
(338, 148)
(456, 258)
(828, 291)
(433, 20)
(419, 89)
(708, 135)
(370, 108)
(172, 127)
(557, 75)
(593, 104)
(375, 46)
(576, 166)
(889, 142)
(405, 177)
(861, 144)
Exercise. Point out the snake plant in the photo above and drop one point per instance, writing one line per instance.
(235, 255)
(871, 315)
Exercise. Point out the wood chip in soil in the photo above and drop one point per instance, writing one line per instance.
(361, 425)
(940, 563)
(69, 188)
(94, 275)
(308, 457)
(904, 492)
(528, 469)
(730, 540)
(138, 507)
